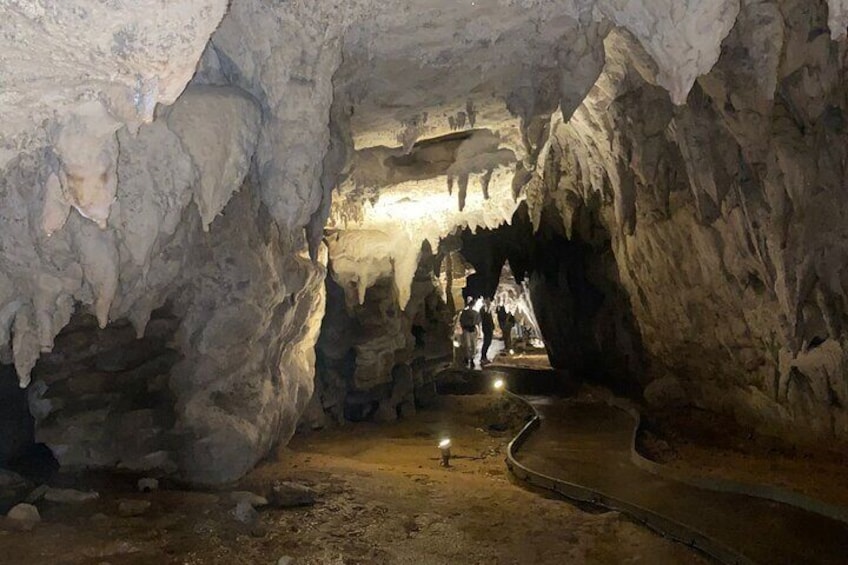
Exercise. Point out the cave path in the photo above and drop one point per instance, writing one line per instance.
(582, 450)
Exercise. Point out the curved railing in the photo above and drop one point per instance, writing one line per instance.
(767, 492)
(664, 525)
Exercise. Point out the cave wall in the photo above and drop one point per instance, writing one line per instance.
(376, 360)
(208, 389)
(185, 154)
(248, 298)
(125, 188)
(726, 215)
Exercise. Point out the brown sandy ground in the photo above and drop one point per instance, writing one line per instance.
(710, 445)
(383, 499)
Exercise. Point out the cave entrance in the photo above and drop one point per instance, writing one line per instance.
(566, 291)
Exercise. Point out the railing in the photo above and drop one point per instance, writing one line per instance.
(791, 498)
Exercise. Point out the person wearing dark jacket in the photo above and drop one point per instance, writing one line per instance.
(488, 326)
(469, 320)
(506, 321)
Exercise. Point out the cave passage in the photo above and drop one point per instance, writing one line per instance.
(569, 291)
(237, 238)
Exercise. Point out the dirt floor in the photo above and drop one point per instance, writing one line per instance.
(706, 444)
(382, 499)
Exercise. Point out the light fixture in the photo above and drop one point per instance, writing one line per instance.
(444, 447)
(498, 384)
(512, 352)
(456, 343)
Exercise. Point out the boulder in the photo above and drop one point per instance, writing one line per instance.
(24, 515)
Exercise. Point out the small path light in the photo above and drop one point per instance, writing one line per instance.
(498, 385)
(444, 447)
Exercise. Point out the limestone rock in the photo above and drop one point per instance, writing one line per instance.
(291, 495)
(724, 251)
(666, 392)
(249, 497)
(245, 513)
(637, 124)
(25, 515)
(69, 495)
(13, 488)
(37, 494)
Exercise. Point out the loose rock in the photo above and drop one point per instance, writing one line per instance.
(245, 513)
(37, 494)
(291, 495)
(69, 495)
(25, 515)
(246, 496)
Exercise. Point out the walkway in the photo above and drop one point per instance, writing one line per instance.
(589, 445)
(583, 451)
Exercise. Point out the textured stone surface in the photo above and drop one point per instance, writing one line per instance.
(291, 495)
(725, 216)
(705, 136)
(24, 514)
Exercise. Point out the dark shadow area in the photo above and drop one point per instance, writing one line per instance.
(583, 313)
(18, 450)
(102, 398)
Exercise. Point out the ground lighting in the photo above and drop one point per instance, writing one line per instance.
(498, 385)
(444, 447)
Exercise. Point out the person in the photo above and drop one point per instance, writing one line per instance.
(469, 320)
(506, 321)
(488, 326)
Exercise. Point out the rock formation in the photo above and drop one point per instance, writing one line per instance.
(725, 213)
(169, 171)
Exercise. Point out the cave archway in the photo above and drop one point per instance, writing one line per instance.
(583, 313)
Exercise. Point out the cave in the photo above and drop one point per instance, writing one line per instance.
(424, 281)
